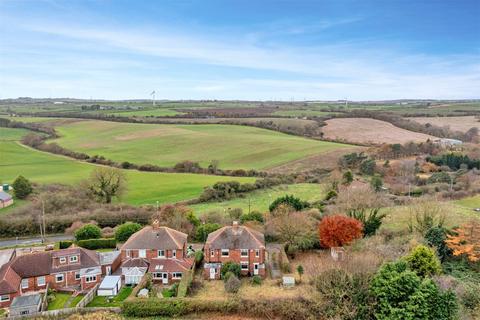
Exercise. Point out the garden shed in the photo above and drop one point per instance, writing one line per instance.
(110, 286)
(25, 305)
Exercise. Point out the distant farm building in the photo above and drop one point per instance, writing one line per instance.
(448, 143)
(5, 199)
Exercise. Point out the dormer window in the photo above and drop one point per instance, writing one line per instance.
(63, 259)
(73, 259)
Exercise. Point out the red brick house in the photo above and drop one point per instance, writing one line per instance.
(238, 244)
(75, 269)
(160, 251)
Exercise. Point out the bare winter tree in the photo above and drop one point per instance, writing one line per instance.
(106, 183)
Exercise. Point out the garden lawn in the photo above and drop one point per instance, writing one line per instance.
(59, 302)
(235, 147)
(143, 187)
(115, 302)
(76, 300)
(260, 200)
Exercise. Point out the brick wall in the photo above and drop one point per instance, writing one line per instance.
(234, 255)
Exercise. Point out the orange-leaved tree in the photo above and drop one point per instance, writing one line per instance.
(466, 241)
(339, 230)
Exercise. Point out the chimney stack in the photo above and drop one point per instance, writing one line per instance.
(235, 227)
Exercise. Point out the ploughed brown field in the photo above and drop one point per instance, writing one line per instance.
(462, 124)
(369, 131)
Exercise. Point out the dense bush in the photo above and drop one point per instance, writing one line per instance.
(439, 177)
(102, 243)
(345, 296)
(454, 161)
(423, 261)
(88, 231)
(367, 167)
(338, 230)
(22, 187)
(204, 230)
(252, 216)
(230, 267)
(125, 230)
(154, 307)
(401, 294)
(436, 237)
(371, 223)
(289, 200)
(232, 284)
(256, 280)
(65, 244)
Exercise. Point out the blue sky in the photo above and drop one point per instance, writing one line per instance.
(250, 50)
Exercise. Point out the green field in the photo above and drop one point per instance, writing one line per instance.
(165, 145)
(143, 187)
(157, 112)
(260, 200)
(470, 202)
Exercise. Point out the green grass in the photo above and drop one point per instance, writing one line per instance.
(29, 119)
(470, 202)
(165, 145)
(302, 113)
(76, 300)
(59, 302)
(143, 187)
(260, 200)
(115, 302)
(157, 112)
(10, 134)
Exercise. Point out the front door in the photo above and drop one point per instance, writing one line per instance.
(212, 273)
(165, 278)
(255, 268)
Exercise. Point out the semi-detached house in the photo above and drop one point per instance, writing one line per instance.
(75, 269)
(158, 250)
(238, 244)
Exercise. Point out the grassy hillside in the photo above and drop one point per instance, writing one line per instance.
(165, 145)
(143, 187)
(260, 200)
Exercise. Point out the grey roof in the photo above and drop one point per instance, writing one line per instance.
(26, 300)
(5, 196)
(110, 282)
(236, 237)
(108, 257)
(156, 238)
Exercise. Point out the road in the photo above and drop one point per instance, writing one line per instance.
(33, 240)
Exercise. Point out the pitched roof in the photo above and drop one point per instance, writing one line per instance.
(135, 263)
(108, 257)
(9, 280)
(26, 301)
(156, 238)
(40, 263)
(170, 265)
(236, 237)
(5, 196)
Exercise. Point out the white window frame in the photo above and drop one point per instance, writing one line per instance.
(142, 253)
(244, 263)
(73, 259)
(128, 253)
(77, 276)
(225, 251)
(175, 275)
(244, 253)
(4, 298)
(174, 253)
(89, 279)
(161, 253)
(59, 275)
(23, 283)
(39, 282)
(257, 253)
(157, 275)
(62, 260)
(212, 253)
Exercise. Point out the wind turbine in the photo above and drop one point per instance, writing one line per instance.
(153, 97)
